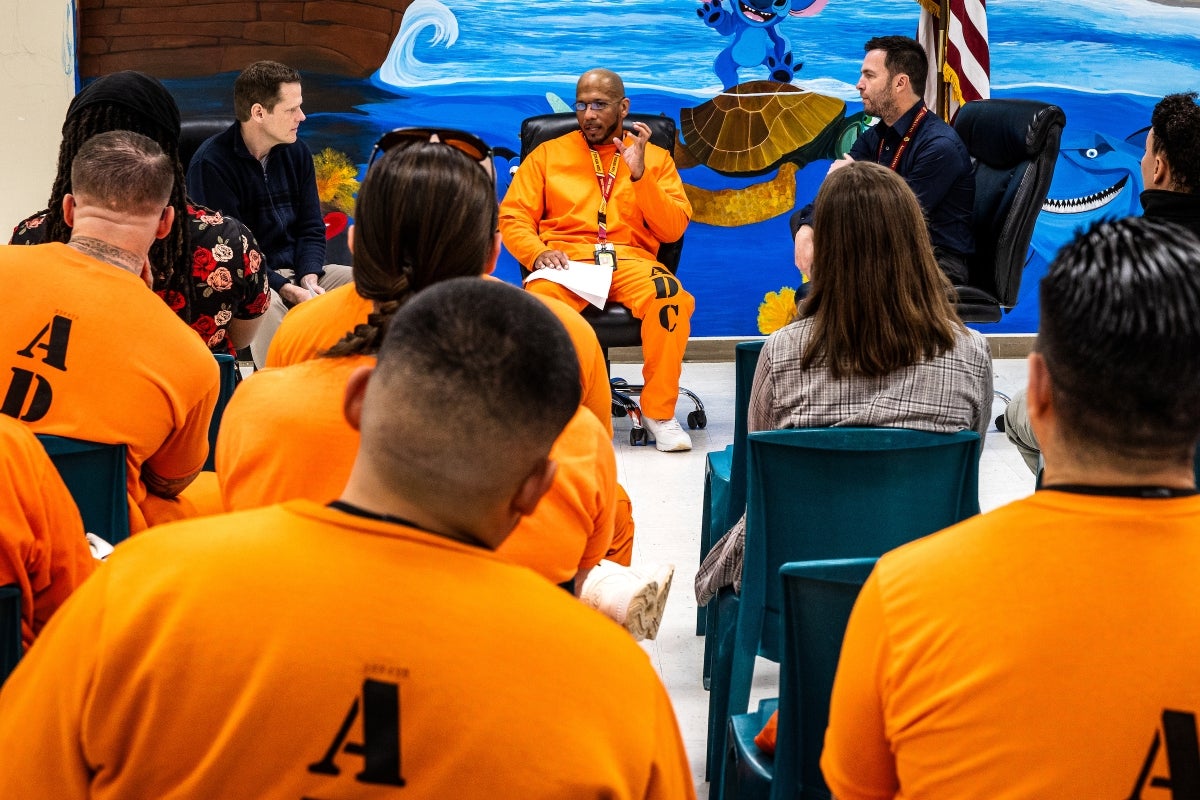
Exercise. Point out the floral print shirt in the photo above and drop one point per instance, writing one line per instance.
(230, 281)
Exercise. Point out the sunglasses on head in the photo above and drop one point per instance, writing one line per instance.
(470, 144)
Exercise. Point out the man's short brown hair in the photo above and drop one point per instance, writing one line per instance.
(123, 171)
(259, 83)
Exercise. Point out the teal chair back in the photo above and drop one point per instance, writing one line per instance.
(817, 494)
(10, 629)
(817, 599)
(95, 475)
(745, 357)
(230, 378)
(725, 470)
(828, 493)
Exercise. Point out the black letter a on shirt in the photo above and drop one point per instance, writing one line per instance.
(380, 747)
(1183, 758)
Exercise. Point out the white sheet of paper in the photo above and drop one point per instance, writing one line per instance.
(589, 281)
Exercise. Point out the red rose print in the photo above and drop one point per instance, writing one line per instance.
(260, 304)
(205, 325)
(202, 263)
(173, 299)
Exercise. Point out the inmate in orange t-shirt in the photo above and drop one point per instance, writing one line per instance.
(318, 324)
(89, 352)
(1048, 648)
(42, 546)
(271, 449)
(299, 651)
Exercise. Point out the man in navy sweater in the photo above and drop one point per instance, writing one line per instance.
(914, 142)
(260, 172)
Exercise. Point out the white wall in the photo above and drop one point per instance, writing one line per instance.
(37, 82)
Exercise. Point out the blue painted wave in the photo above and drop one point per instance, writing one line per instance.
(1126, 46)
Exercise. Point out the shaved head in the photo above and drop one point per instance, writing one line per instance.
(611, 80)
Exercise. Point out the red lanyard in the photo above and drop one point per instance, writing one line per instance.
(904, 142)
(606, 186)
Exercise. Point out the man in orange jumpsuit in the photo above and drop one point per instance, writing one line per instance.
(603, 195)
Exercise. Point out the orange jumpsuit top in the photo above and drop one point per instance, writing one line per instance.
(91, 353)
(42, 547)
(299, 651)
(554, 197)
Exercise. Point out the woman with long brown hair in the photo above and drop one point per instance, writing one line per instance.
(876, 343)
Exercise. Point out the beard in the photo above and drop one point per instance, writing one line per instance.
(601, 135)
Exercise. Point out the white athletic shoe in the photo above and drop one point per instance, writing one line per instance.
(669, 437)
(633, 599)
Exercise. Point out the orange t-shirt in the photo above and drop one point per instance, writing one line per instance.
(272, 449)
(572, 527)
(318, 324)
(42, 547)
(1045, 649)
(298, 651)
(91, 353)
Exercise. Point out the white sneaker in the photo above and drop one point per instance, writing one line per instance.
(626, 595)
(669, 437)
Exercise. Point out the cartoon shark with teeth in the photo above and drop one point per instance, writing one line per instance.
(1096, 176)
(752, 25)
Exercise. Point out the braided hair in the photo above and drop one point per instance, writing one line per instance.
(170, 257)
(425, 213)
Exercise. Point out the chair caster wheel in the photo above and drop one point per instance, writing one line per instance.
(637, 436)
(619, 410)
(697, 419)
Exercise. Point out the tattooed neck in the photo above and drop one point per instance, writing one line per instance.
(109, 254)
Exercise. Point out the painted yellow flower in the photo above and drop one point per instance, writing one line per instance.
(777, 309)
(336, 179)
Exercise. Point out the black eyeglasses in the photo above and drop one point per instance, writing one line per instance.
(468, 143)
(595, 105)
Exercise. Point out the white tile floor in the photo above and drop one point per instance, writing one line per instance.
(666, 489)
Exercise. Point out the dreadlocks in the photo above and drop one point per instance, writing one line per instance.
(170, 257)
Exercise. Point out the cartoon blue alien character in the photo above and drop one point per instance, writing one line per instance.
(752, 25)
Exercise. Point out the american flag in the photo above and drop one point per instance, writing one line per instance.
(965, 65)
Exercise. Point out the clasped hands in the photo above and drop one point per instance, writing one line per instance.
(307, 289)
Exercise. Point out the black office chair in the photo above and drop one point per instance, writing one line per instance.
(193, 131)
(615, 325)
(1014, 144)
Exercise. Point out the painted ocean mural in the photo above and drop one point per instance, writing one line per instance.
(486, 66)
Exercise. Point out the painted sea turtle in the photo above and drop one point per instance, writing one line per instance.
(751, 128)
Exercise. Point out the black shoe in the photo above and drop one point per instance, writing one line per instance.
(1000, 423)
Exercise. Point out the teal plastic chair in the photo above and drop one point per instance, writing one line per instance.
(816, 494)
(95, 475)
(725, 470)
(817, 599)
(230, 378)
(10, 629)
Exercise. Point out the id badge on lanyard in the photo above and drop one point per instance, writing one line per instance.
(605, 252)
